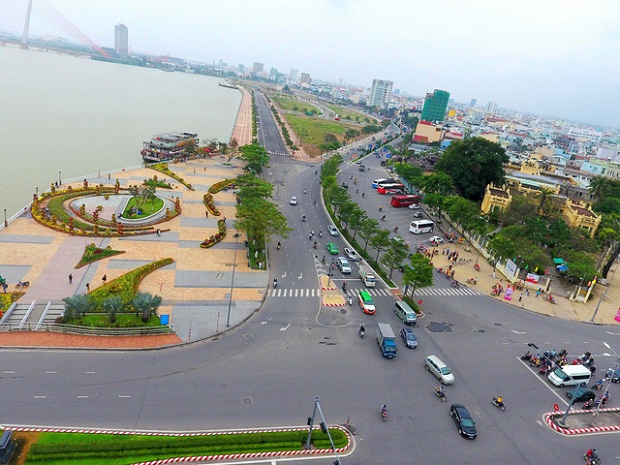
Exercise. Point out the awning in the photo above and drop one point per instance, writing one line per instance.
(562, 268)
(558, 261)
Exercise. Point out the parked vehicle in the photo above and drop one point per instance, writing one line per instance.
(386, 340)
(581, 394)
(400, 201)
(421, 226)
(570, 375)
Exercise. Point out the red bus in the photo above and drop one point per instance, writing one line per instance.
(389, 189)
(403, 200)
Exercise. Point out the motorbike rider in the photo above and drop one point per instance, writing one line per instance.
(384, 409)
(362, 328)
(279, 245)
(500, 400)
(314, 245)
(320, 233)
(303, 218)
(275, 282)
(591, 455)
(383, 218)
(439, 391)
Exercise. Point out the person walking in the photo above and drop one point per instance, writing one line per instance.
(70, 278)
(87, 287)
(104, 279)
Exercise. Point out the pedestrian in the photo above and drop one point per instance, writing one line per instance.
(538, 292)
(158, 232)
(207, 214)
(87, 287)
(4, 286)
(104, 279)
(527, 293)
(520, 297)
(70, 278)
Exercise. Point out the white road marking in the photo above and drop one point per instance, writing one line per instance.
(518, 332)
(51, 372)
(8, 372)
(300, 276)
(285, 328)
(90, 372)
(39, 397)
(124, 397)
(284, 275)
(540, 422)
(82, 397)
(542, 380)
(613, 334)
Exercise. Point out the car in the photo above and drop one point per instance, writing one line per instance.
(418, 215)
(293, 201)
(614, 375)
(463, 420)
(351, 254)
(435, 239)
(414, 206)
(409, 339)
(343, 265)
(358, 162)
(345, 185)
(421, 248)
(333, 230)
(439, 369)
(581, 394)
(331, 248)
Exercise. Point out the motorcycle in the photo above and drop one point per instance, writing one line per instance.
(350, 301)
(476, 267)
(472, 281)
(23, 284)
(501, 406)
(441, 395)
(275, 283)
(384, 414)
(592, 461)
(455, 283)
(362, 332)
(588, 405)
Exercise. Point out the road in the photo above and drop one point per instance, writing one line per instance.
(268, 371)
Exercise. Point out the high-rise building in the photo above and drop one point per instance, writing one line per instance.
(435, 105)
(294, 75)
(305, 80)
(380, 93)
(258, 67)
(473, 102)
(121, 39)
(492, 108)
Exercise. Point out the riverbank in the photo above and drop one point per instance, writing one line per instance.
(242, 132)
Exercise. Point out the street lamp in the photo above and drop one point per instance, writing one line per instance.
(5, 222)
(598, 407)
(232, 281)
(59, 178)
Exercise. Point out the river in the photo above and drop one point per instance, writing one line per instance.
(63, 117)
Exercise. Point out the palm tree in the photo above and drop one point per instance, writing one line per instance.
(112, 306)
(146, 304)
(598, 187)
(544, 194)
(76, 305)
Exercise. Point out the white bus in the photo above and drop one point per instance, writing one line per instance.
(421, 226)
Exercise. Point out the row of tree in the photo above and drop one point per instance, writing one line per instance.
(143, 304)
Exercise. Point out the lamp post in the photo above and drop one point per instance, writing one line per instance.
(232, 282)
(37, 191)
(59, 178)
(598, 407)
(6, 224)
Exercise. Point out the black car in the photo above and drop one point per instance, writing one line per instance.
(581, 394)
(463, 420)
(614, 375)
(345, 185)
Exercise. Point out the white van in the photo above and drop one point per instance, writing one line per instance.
(405, 312)
(570, 375)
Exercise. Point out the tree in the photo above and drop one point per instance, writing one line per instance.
(437, 183)
(395, 254)
(418, 274)
(113, 305)
(146, 304)
(518, 211)
(411, 174)
(77, 305)
(259, 218)
(356, 218)
(367, 229)
(543, 195)
(380, 241)
(500, 247)
(255, 156)
(251, 186)
(473, 164)
(598, 187)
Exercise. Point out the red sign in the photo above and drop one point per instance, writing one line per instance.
(420, 302)
(556, 407)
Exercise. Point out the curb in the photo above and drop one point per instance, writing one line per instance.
(312, 452)
(552, 416)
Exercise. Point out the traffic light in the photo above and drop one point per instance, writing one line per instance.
(323, 427)
(309, 421)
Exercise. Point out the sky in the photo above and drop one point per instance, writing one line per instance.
(546, 57)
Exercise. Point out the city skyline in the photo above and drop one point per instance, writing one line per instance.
(546, 59)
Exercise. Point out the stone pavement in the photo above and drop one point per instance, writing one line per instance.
(196, 288)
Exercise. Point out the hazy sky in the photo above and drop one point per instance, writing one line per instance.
(552, 57)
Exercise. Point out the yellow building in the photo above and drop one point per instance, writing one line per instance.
(427, 132)
(490, 136)
(580, 215)
(495, 199)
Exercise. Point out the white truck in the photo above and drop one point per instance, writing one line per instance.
(367, 277)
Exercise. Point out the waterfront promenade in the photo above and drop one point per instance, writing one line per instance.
(242, 131)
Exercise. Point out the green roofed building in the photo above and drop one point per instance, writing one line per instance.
(435, 105)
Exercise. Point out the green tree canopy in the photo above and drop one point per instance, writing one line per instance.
(251, 186)
(259, 218)
(395, 254)
(255, 156)
(473, 164)
(418, 274)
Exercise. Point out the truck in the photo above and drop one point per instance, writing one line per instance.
(386, 340)
(367, 277)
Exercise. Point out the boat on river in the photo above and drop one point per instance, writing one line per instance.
(168, 146)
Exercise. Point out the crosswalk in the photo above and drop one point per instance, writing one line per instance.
(317, 292)
(446, 292)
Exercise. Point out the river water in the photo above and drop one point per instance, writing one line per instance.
(64, 116)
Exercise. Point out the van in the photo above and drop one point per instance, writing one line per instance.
(570, 375)
(366, 302)
(343, 265)
(367, 277)
(439, 369)
(405, 312)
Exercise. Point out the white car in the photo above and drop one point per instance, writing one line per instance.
(293, 201)
(351, 254)
(435, 239)
(414, 206)
(333, 231)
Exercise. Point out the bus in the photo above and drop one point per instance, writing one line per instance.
(375, 183)
(390, 189)
(421, 226)
(403, 200)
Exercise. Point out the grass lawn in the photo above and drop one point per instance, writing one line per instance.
(291, 104)
(111, 449)
(145, 208)
(314, 130)
(343, 112)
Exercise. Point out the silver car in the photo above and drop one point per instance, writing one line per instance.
(351, 254)
(333, 231)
